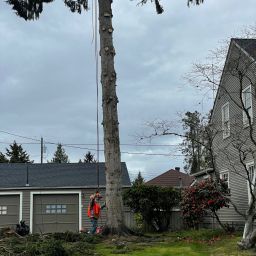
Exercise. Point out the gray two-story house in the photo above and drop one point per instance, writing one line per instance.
(233, 125)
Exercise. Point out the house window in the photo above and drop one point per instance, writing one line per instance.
(251, 179)
(224, 176)
(3, 210)
(247, 100)
(56, 208)
(225, 120)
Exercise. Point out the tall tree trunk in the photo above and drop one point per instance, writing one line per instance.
(110, 121)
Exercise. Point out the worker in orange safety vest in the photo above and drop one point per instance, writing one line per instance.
(93, 211)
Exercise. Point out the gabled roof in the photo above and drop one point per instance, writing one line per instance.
(249, 45)
(172, 178)
(55, 175)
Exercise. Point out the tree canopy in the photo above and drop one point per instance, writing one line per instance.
(139, 180)
(60, 155)
(16, 154)
(3, 158)
(154, 203)
(88, 158)
(195, 142)
(198, 200)
(31, 9)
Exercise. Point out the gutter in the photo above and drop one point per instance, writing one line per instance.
(207, 171)
(54, 188)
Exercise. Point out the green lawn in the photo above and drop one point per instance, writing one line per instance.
(194, 243)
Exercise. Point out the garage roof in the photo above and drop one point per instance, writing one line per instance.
(55, 175)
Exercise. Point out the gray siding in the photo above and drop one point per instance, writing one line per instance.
(225, 150)
(26, 206)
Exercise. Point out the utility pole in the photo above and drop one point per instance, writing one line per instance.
(42, 149)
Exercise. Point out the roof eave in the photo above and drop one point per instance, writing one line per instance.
(56, 188)
(207, 171)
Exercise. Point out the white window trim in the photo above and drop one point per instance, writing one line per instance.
(245, 121)
(225, 172)
(21, 200)
(253, 180)
(56, 193)
(222, 118)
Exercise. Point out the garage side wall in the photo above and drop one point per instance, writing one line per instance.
(26, 206)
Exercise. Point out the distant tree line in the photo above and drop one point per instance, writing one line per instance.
(16, 154)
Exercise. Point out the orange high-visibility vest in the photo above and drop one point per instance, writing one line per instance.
(94, 212)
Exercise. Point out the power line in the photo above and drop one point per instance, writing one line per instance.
(76, 146)
(25, 143)
(127, 144)
(126, 152)
(20, 136)
(85, 144)
(94, 144)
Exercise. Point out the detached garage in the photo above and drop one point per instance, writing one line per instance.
(50, 197)
(55, 213)
(10, 209)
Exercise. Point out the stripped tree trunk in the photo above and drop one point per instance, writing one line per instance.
(110, 121)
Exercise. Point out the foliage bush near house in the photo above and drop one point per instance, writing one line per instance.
(153, 203)
(204, 197)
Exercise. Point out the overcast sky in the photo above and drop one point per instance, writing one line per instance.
(47, 71)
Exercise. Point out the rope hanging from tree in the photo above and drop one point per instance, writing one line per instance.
(95, 33)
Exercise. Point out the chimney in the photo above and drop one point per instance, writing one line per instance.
(177, 169)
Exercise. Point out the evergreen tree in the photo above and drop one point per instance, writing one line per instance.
(60, 155)
(89, 158)
(3, 158)
(190, 145)
(139, 180)
(16, 154)
(194, 146)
